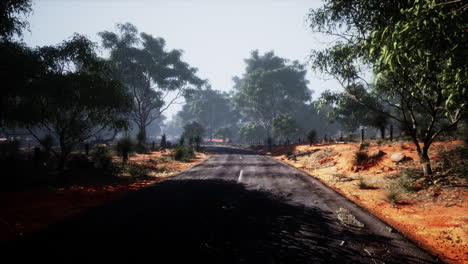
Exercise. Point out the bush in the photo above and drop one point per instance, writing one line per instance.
(137, 170)
(101, 157)
(394, 192)
(124, 147)
(140, 148)
(363, 184)
(360, 157)
(183, 153)
(379, 142)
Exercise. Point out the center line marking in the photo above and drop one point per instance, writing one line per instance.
(239, 180)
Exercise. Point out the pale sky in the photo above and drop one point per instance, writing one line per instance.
(215, 35)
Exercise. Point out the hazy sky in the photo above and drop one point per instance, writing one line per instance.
(216, 35)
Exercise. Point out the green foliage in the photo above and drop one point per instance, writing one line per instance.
(417, 50)
(211, 108)
(253, 132)
(183, 153)
(223, 133)
(271, 86)
(102, 157)
(124, 147)
(136, 170)
(147, 70)
(12, 13)
(285, 127)
(194, 132)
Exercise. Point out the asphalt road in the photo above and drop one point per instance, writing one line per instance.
(236, 207)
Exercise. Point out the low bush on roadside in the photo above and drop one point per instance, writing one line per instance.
(360, 157)
(136, 170)
(183, 153)
(394, 193)
(102, 157)
(124, 148)
(364, 184)
(453, 162)
(379, 142)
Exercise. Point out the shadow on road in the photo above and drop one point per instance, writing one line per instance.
(206, 221)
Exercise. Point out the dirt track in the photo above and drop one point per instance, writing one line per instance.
(235, 207)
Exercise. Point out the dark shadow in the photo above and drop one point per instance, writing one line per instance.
(202, 221)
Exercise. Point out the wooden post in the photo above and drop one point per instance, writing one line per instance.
(362, 135)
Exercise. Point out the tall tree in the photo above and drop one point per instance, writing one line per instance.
(211, 108)
(149, 72)
(285, 127)
(350, 114)
(75, 98)
(270, 86)
(417, 51)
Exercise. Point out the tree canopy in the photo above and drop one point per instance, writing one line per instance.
(416, 50)
(150, 73)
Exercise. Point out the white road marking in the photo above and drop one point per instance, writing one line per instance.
(239, 180)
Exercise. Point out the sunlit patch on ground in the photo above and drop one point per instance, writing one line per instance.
(435, 215)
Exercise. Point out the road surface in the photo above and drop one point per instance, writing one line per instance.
(236, 207)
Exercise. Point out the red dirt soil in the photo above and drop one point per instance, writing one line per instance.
(436, 218)
(34, 209)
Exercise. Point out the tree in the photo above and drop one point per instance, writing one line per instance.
(211, 108)
(223, 133)
(252, 132)
(194, 132)
(350, 113)
(270, 86)
(285, 127)
(11, 17)
(417, 51)
(75, 98)
(149, 72)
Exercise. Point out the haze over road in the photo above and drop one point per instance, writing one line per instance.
(236, 207)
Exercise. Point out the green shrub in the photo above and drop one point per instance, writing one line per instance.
(140, 148)
(124, 148)
(379, 142)
(183, 153)
(101, 157)
(136, 170)
(394, 193)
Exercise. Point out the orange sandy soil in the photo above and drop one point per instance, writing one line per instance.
(435, 217)
(31, 210)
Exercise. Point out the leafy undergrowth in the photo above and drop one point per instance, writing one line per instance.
(36, 207)
(432, 211)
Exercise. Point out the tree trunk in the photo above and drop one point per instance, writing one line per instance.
(425, 162)
(142, 131)
(382, 132)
